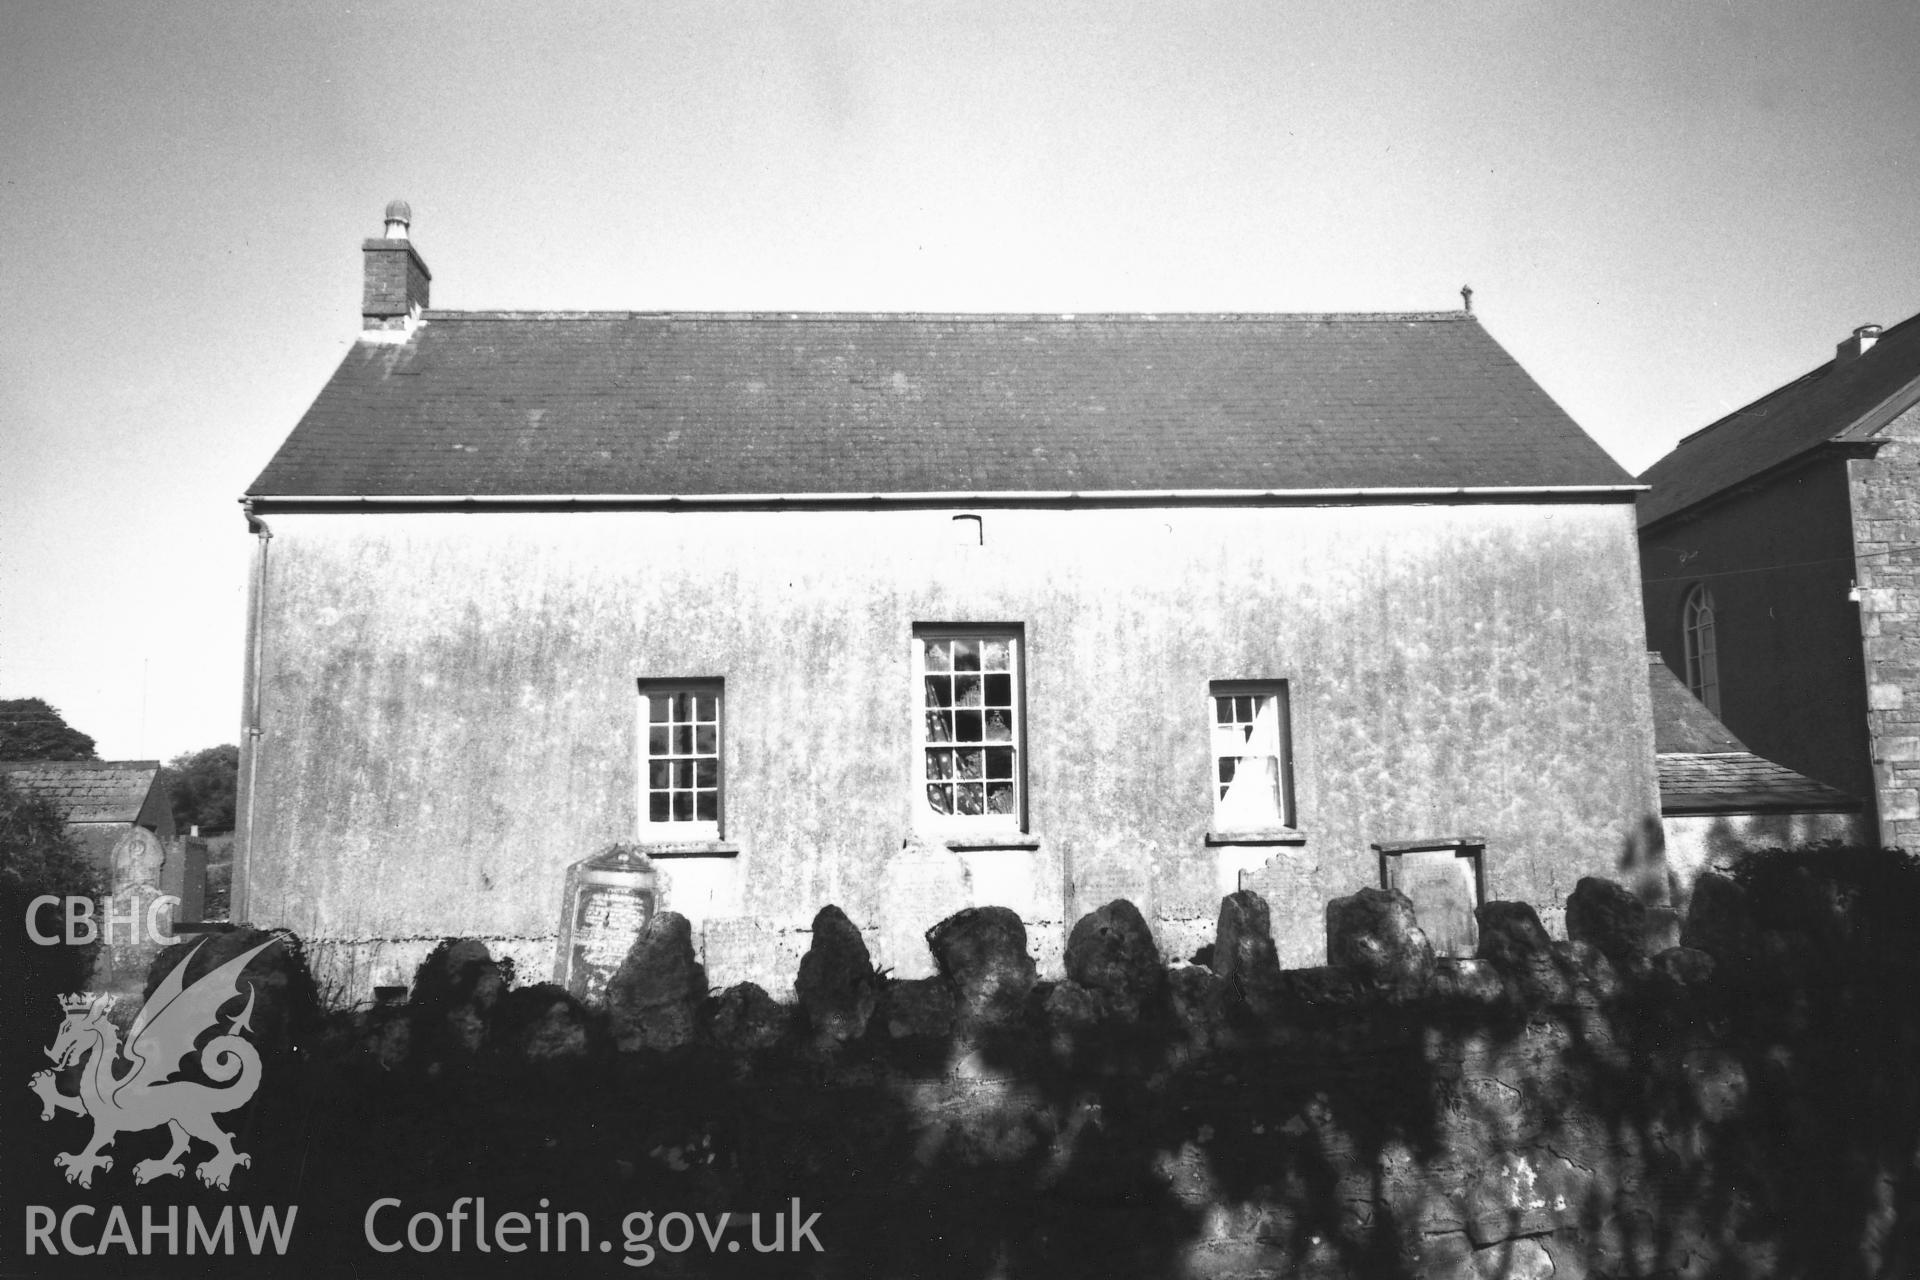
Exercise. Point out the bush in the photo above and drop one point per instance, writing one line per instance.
(36, 854)
(36, 857)
(1873, 893)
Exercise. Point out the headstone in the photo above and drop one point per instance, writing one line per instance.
(982, 952)
(455, 990)
(920, 885)
(1243, 950)
(746, 1018)
(1293, 883)
(136, 861)
(836, 985)
(1611, 918)
(1444, 887)
(1720, 921)
(1374, 935)
(655, 998)
(1511, 935)
(607, 902)
(1199, 998)
(183, 873)
(542, 1023)
(1111, 951)
(134, 881)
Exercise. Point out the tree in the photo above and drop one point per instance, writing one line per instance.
(32, 730)
(37, 857)
(203, 785)
(36, 853)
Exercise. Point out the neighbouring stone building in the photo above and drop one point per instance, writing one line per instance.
(913, 612)
(1718, 800)
(117, 811)
(1780, 548)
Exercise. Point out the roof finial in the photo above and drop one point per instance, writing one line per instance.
(1466, 296)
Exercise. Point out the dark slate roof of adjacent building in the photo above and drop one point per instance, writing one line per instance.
(510, 404)
(1681, 722)
(1705, 769)
(1840, 402)
(88, 790)
(1741, 782)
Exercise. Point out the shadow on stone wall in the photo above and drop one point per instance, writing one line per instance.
(1743, 1105)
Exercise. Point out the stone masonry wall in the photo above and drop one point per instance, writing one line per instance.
(1738, 1106)
(1886, 521)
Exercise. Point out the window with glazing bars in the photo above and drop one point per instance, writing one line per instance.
(680, 778)
(1252, 765)
(1703, 648)
(969, 754)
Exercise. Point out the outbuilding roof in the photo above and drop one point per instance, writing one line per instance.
(1705, 769)
(1681, 722)
(88, 790)
(1741, 782)
(504, 405)
(1841, 402)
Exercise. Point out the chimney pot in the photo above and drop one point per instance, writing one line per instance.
(396, 279)
(1858, 345)
(399, 218)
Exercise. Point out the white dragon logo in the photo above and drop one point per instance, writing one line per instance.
(146, 1095)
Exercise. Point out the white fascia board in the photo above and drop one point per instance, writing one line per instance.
(949, 498)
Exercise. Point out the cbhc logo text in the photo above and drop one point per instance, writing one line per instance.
(84, 925)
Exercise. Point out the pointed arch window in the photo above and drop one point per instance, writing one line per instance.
(1703, 660)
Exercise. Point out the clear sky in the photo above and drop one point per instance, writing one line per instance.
(1664, 209)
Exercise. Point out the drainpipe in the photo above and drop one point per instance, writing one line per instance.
(240, 906)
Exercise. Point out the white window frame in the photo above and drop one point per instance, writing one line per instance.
(925, 816)
(695, 828)
(1269, 699)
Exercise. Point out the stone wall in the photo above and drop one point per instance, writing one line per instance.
(1741, 1105)
(1886, 527)
(1697, 842)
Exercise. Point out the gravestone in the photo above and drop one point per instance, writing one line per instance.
(135, 883)
(607, 902)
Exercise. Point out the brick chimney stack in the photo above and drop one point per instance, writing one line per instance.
(397, 278)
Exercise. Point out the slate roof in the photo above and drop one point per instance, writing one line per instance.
(1705, 769)
(1681, 722)
(88, 790)
(1833, 404)
(509, 404)
(1741, 782)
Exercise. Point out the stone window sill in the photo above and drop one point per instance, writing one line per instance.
(1432, 845)
(690, 849)
(1283, 835)
(1003, 840)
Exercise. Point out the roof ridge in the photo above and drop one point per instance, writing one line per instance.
(123, 765)
(1818, 371)
(966, 317)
